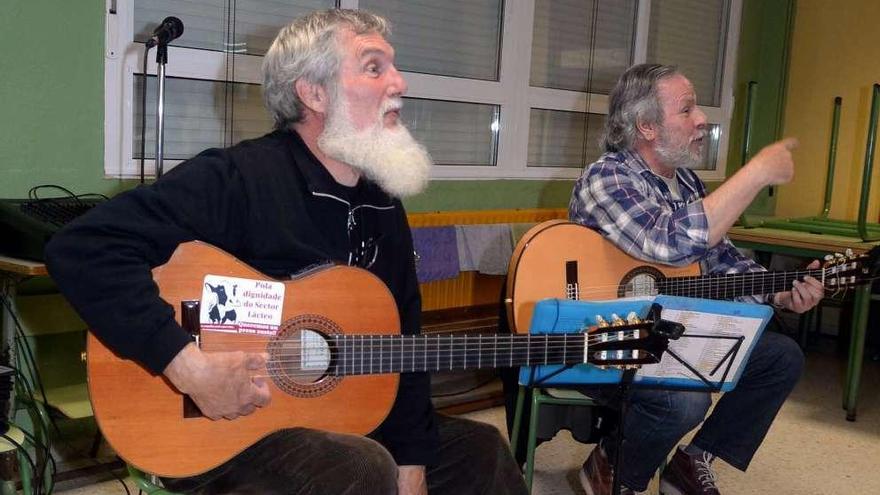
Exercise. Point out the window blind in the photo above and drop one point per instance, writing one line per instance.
(240, 26)
(564, 139)
(581, 45)
(458, 38)
(454, 133)
(690, 34)
(200, 114)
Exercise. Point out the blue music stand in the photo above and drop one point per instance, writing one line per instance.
(567, 316)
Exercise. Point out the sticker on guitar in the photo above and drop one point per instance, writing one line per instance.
(240, 305)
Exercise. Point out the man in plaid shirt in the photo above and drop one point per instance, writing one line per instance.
(642, 196)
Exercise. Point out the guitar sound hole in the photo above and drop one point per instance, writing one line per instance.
(301, 359)
(642, 281)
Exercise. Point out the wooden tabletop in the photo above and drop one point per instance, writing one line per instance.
(799, 240)
(22, 267)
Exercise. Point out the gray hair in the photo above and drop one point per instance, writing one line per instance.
(634, 99)
(308, 48)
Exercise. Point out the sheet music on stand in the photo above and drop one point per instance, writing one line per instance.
(719, 337)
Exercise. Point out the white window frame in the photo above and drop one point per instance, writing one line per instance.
(511, 93)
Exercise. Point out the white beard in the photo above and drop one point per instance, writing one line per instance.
(676, 155)
(391, 158)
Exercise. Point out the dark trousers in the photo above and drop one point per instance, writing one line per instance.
(473, 459)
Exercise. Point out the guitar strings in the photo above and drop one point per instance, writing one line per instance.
(358, 362)
(730, 281)
(393, 338)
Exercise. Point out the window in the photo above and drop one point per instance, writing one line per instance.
(455, 133)
(514, 89)
(456, 38)
(564, 139)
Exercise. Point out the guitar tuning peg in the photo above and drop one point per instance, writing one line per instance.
(829, 257)
(849, 253)
(616, 320)
(632, 317)
(600, 322)
(839, 256)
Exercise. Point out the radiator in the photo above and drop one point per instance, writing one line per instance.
(472, 288)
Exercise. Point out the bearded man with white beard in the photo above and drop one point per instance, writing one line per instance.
(643, 196)
(325, 186)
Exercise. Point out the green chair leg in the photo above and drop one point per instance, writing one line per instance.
(533, 432)
(24, 472)
(541, 397)
(517, 419)
(861, 306)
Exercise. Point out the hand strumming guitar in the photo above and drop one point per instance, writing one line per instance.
(220, 383)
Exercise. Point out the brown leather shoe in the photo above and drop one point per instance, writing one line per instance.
(596, 475)
(688, 475)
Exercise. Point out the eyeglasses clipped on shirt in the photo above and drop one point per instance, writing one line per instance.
(365, 253)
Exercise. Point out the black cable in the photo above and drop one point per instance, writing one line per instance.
(31, 363)
(33, 408)
(144, 112)
(58, 432)
(32, 193)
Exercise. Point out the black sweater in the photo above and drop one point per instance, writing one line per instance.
(271, 204)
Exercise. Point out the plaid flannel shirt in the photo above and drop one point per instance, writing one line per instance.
(620, 197)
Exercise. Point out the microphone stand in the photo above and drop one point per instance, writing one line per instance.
(161, 60)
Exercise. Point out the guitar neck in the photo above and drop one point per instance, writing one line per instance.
(377, 354)
(734, 285)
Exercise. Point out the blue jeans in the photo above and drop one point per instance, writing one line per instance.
(657, 420)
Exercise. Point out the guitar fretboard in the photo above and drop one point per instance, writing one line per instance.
(376, 354)
(733, 285)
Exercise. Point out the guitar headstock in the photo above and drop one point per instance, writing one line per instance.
(629, 343)
(847, 270)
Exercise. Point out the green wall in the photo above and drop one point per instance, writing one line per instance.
(492, 194)
(51, 96)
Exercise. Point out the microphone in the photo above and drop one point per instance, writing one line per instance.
(170, 29)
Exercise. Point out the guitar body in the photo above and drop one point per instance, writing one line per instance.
(142, 415)
(565, 260)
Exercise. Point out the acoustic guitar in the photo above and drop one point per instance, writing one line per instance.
(333, 360)
(561, 259)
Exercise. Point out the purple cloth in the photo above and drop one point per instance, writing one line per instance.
(436, 253)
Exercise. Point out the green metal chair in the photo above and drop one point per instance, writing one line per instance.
(147, 483)
(540, 397)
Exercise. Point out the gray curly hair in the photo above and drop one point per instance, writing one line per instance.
(308, 48)
(634, 99)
